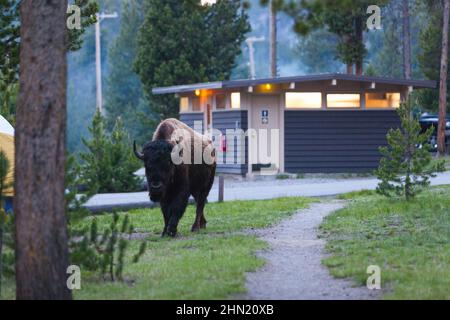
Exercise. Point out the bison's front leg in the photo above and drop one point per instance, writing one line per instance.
(166, 214)
(177, 208)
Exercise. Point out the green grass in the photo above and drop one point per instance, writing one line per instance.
(222, 217)
(409, 241)
(356, 194)
(208, 265)
(436, 160)
(200, 268)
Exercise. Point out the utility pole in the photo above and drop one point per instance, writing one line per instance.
(250, 43)
(98, 56)
(406, 40)
(273, 39)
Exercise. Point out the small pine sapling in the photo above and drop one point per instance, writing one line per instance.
(107, 252)
(405, 168)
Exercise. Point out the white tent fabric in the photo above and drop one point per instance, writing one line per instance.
(6, 127)
(7, 146)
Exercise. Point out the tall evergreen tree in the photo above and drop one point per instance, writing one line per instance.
(10, 43)
(345, 18)
(430, 56)
(317, 52)
(406, 39)
(443, 77)
(42, 254)
(124, 93)
(387, 60)
(182, 42)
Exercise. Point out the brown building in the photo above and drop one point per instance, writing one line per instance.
(326, 123)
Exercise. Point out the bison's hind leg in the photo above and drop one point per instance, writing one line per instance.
(200, 221)
(201, 198)
(203, 221)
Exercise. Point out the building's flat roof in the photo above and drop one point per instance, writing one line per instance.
(230, 84)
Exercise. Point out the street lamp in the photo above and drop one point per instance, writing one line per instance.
(250, 42)
(98, 56)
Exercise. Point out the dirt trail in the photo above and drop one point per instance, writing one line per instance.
(293, 267)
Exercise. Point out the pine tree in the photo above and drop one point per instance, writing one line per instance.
(42, 254)
(443, 79)
(183, 42)
(106, 253)
(387, 61)
(9, 41)
(10, 45)
(346, 19)
(109, 164)
(317, 52)
(430, 56)
(405, 167)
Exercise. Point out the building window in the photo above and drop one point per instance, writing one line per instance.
(184, 104)
(196, 104)
(221, 101)
(382, 100)
(343, 100)
(235, 100)
(303, 100)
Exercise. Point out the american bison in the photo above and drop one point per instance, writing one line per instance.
(179, 162)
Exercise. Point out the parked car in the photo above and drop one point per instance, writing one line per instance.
(432, 120)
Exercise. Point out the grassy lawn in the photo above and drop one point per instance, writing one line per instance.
(409, 241)
(209, 265)
(446, 162)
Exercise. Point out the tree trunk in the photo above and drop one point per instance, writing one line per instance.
(273, 40)
(360, 38)
(42, 255)
(443, 82)
(406, 41)
(349, 68)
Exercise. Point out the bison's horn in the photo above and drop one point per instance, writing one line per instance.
(138, 154)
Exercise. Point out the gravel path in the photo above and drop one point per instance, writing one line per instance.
(293, 269)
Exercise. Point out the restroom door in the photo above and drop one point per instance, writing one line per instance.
(266, 116)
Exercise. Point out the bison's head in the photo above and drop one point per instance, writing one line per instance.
(159, 168)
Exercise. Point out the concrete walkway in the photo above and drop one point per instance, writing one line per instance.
(255, 190)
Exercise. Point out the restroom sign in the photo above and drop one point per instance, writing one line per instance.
(265, 116)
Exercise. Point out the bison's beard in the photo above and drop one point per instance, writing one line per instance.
(155, 196)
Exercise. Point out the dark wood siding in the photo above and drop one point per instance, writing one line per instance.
(190, 118)
(334, 141)
(236, 119)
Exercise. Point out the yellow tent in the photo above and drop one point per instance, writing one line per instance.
(7, 146)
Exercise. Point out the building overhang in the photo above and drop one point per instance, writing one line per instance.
(332, 77)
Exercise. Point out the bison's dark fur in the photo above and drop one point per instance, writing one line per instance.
(172, 184)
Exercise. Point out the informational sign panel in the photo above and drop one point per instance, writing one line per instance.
(265, 116)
